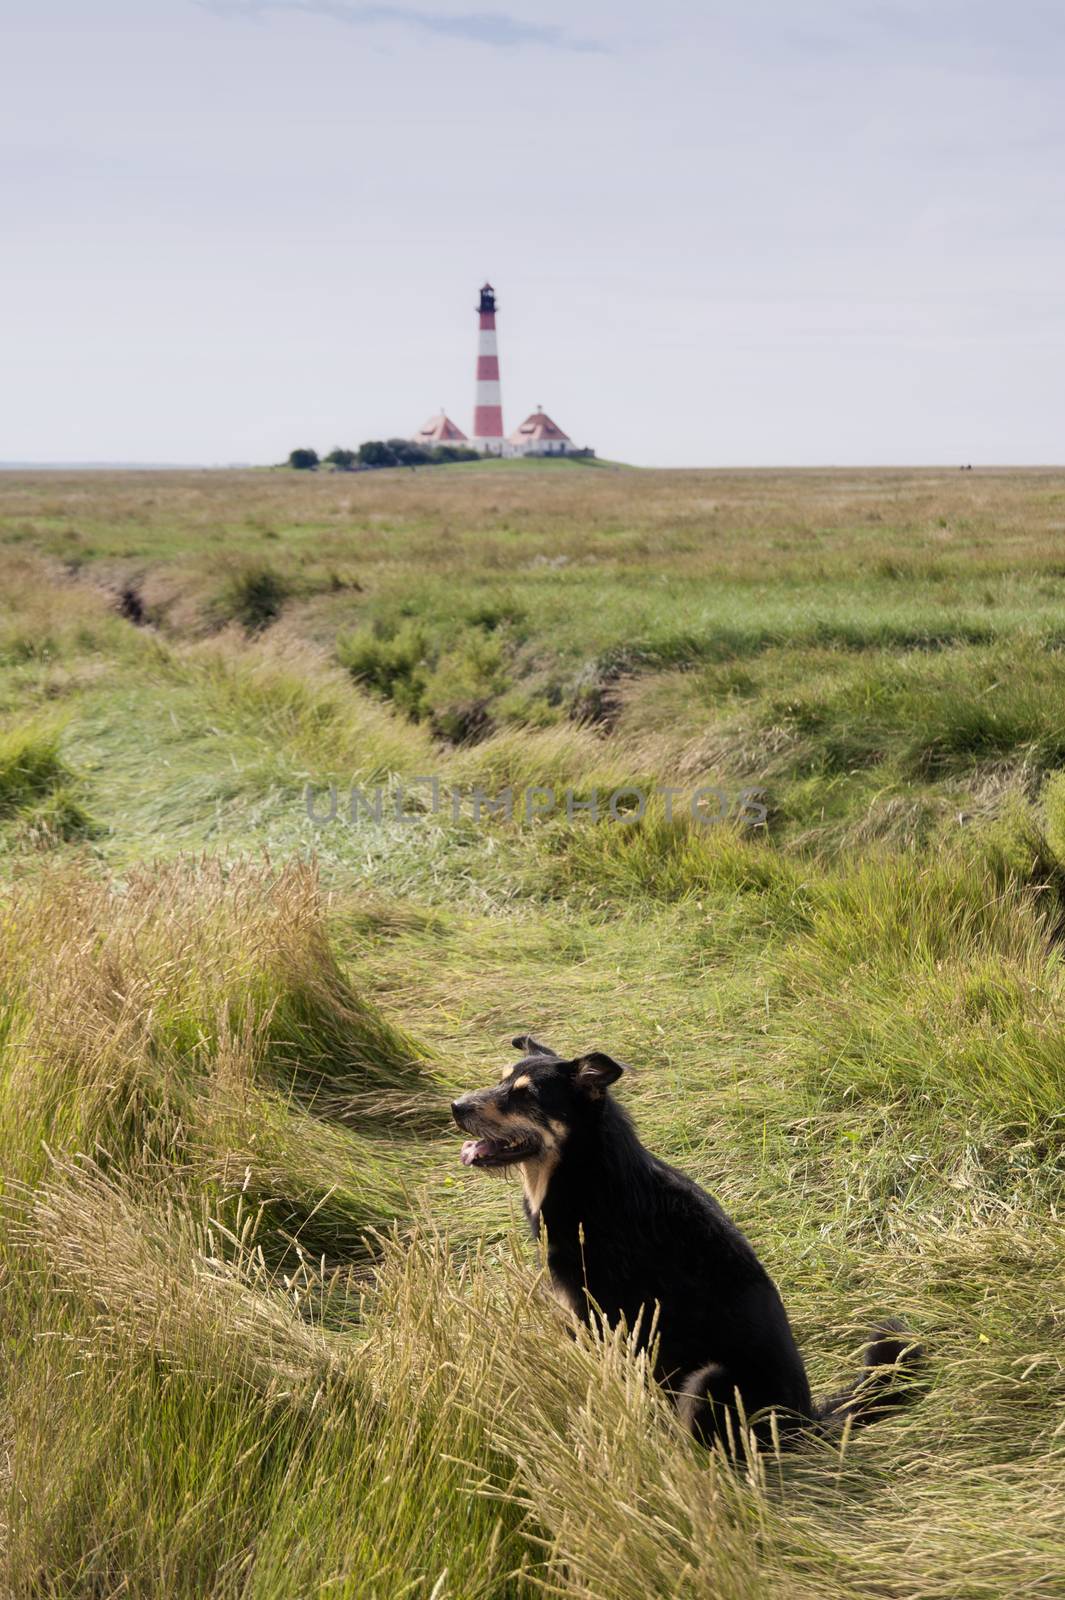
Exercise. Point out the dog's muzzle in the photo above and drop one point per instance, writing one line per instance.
(489, 1150)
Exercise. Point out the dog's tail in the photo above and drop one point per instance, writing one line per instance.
(891, 1366)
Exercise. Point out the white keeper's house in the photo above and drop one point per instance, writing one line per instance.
(539, 436)
(440, 430)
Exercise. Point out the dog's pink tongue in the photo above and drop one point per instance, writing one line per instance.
(472, 1148)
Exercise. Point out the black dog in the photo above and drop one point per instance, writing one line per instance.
(626, 1233)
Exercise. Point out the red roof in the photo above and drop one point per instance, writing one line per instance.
(440, 430)
(536, 428)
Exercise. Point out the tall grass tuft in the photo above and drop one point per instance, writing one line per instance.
(38, 789)
(31, 768)
(196, 1015)
(252, 594)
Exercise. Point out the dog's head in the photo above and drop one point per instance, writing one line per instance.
(535, 1107)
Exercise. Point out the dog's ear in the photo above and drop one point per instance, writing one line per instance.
(531, 1047)
(595, 1072)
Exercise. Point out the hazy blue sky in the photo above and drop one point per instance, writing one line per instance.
(746, 232)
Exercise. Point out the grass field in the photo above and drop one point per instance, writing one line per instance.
(262, 1335)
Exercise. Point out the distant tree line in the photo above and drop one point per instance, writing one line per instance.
(380, 453)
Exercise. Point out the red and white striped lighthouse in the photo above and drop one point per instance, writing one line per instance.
(488, 408)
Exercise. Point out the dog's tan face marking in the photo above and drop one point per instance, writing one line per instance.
(522, 1082)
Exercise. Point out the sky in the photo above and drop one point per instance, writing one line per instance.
(732, 232)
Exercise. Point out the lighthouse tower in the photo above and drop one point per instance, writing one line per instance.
(488, 409)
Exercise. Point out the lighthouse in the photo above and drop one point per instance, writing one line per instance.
(538, 435)
(488, 406)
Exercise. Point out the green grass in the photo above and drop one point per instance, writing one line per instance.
(287, 1344)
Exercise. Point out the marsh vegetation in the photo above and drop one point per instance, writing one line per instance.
(263, 1336)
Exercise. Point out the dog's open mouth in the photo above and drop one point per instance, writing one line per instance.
(496, 1152)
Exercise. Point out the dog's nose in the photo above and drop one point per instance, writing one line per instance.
(458, 1107)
